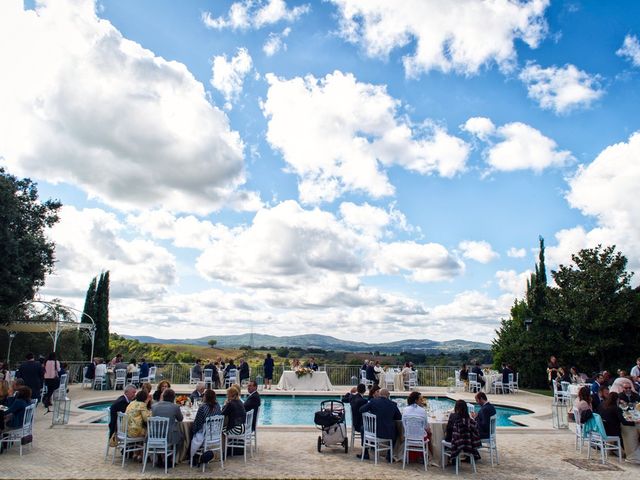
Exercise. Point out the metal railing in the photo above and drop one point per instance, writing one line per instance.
(179, 373)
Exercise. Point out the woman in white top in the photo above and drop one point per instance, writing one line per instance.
(415, 408)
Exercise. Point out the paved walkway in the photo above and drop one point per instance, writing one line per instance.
(76, 451)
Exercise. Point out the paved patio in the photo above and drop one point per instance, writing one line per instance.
(76, 451)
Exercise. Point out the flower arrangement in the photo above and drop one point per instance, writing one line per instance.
(301, 372)
(182, 400)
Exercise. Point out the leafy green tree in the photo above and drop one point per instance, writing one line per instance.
(212, 343)
(26, 255)
(102, 315)
(89, 309)
(594, 307)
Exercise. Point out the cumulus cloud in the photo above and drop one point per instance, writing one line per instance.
(228, 75)
(512, 282)
(514, 252)
(523, 147)
(460, 36)
(428, 262)
(630, 50)
(337, 134)
(90, 241)
(275, 42)
(481, 127)
(606, 189)
(480, 251)
(255, 14)
(560, 89)
(84, 105)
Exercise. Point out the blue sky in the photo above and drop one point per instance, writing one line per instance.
(367, 169)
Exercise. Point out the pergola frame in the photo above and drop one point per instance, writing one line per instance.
(52, 318)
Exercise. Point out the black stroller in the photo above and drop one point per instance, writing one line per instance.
(331, 420)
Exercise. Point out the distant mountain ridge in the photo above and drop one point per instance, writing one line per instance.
(324, 342)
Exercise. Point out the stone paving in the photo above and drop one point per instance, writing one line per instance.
(76, 451)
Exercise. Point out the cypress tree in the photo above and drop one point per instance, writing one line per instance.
(89, 309)
(102, 315)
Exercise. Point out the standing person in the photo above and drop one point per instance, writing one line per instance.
(253, 401)
(243, 372)
(51, 378)
(120, 405)
(208, 408)
(552, 370)
(371, 373)
(358, 401)
(386, 412)
(268, 371)
(91, 369)
(483, 417)
(144, 369)
(31, 372)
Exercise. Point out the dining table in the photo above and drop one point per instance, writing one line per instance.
(317, 381)
(185, 426)
(631, 436)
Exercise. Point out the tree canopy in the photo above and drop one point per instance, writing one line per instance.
(26, 255)
(588, 320)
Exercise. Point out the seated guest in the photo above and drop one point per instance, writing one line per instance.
(563, 376)
(374, 392)
(13, 390)
(506, 371)
(91, 369)
(597, 381)
(196, 370)
(346, 398)
(612, 416)
(243, 371)
(167, 408)
(464, 374)
(101, 368)
(138, 411)
(462, 432)
(483, 417)
(357, 400)
(115, 360)
(603, 393)
(583, 405)
(414, 407)
(575, 376)
(628, 395)
(295, 365)
(162, 386)
(208, 408)
(131, 367)
(144, 369)
(230, 366)
(371, 373)
(120, 405)
(120, 365)
(198, 392)
(215, 378)
(14, 415)
(364, 366)
(148, 387)
(619, 384)
(386, 412)
(233, 409)
(406, 372)
(607, 378)
(379, 371)
(253, 401)
(312, 364)
(4, 390)
(478, 371)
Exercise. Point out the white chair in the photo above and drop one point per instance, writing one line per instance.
(389, 380)
(490, 443)
(371, 439)
(208, 378)
(412, 381)
(231, 378)
(121, 378)
(212, 438)
(64, 380)
(126, 444)
(242, 440)
(43, 392)
(158, 441)
(459, 383)
(513, 383)
(605, 445)
(446, 452)
(580, 438)
(363, 379)
(414, 438)
(85, 380)
(135, 377)
(13, 436)
(100, 381)
(474, 384)
(254, 434)
(498, 385)
(194, 378)
(152, 374)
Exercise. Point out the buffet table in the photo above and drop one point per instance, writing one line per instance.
(315, 381)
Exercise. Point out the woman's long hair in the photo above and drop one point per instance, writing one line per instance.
(611, 401)
(461, 409)
(585, 394)
(209, 397)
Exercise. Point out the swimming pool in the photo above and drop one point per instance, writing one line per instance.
(299, 410)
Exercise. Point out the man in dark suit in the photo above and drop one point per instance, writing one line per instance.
(253, 401)
(483, 417)
(386, 412)
(505, 374)
(312, 364)
(478, 371)
(91, 369)
(120, 405)
(371, 373)
(357, 401)
(31, 372)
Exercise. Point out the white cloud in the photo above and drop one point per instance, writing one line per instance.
(523, 147)
(228, 75)
(514, 252)
(365, 218)
(481, 127)
(630, 49)
(515, 284)
(337, 133)
(428, 262)
(81, 104)
(255, 14)
(480, 251)
(459, 36)
(606, 189)
(90, 241)
(275, 42)
(560, 89)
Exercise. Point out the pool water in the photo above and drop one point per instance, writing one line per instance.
(299, 410)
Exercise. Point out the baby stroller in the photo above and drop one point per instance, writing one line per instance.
(331, 420)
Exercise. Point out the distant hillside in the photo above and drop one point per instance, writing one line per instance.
(324, 342)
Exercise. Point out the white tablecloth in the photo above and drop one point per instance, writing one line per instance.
(317, 381)
(489, 378)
